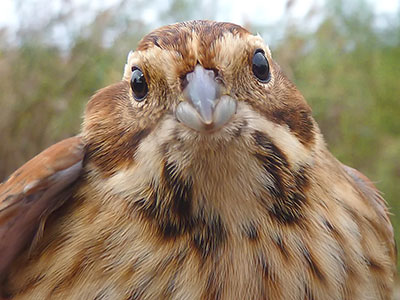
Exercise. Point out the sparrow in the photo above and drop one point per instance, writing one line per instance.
(200, 175)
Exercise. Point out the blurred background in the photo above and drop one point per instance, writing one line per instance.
(344, 56)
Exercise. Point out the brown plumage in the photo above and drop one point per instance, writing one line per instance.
(201, 175)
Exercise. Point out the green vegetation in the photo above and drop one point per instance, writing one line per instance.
(347, 66)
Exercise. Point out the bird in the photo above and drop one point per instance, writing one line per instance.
(202, 174)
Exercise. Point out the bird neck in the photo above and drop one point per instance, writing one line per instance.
(179, 181)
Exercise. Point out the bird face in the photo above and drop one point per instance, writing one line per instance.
(203, 84)
(206, 76)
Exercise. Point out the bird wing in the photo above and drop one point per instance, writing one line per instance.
(375, 199)
(34, 191)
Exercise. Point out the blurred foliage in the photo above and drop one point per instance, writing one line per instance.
(346, 64)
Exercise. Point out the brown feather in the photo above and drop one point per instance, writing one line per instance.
(33, 191)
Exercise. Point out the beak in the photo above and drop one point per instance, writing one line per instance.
(204, 108)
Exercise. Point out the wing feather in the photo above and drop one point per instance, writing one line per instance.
(34, 190)
(376, 201)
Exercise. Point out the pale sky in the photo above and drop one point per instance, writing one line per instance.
(237, 11)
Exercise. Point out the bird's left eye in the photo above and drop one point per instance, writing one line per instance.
(138, 84)
(260, 66)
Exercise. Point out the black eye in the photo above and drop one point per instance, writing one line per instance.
(138, 84)
(260, 66)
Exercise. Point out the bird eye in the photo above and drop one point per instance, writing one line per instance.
(260, 66)
(138, 84)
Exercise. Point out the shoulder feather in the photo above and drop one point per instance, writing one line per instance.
(32, 192)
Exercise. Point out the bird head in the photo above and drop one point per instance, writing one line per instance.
(202, 84)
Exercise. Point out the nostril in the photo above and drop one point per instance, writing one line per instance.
(215, 71)
(210, 73)
(184, 82)
(217, 76)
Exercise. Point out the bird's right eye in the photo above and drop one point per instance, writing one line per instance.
(138, 84)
